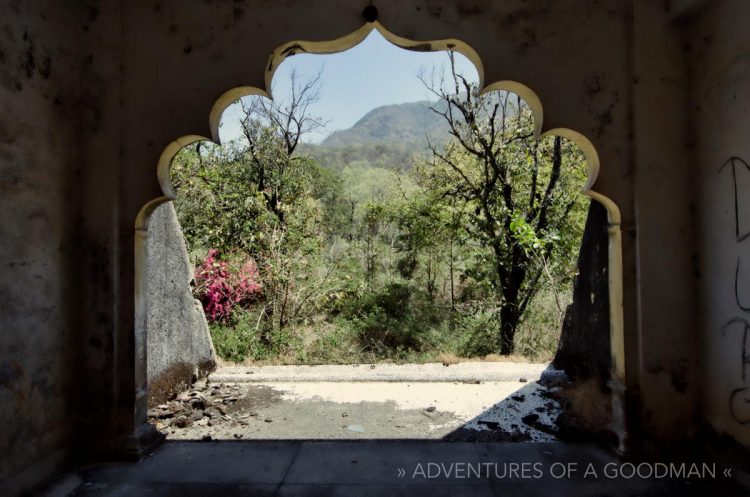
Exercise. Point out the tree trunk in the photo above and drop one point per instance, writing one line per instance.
(510, 312)
(284, 301)
(509, 319)
(266, 333)
(453, 294)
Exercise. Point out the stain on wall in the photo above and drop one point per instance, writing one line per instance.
(39, 142)
(720, 107)
(90, 94)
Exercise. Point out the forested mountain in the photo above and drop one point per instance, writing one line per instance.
(407, 124)
(386, 137)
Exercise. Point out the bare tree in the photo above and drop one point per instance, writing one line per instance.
(510, 184)
(273, 131)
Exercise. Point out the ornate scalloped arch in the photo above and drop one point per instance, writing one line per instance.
(527, 94)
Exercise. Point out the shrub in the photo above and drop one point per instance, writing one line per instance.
(336, 343)
(221, 288)
(539, 332)
(235, 339)
(407, 265)
(239, 338)
(394, 300)
(480, 332)
(395, 319)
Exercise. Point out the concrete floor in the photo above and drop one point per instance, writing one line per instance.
(362, 410)
(267, 421)
(462, 402)
(370, 468)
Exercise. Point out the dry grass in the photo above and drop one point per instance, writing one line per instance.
(448, 358)
(506, 358)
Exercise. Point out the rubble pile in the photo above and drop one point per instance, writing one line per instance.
(211, 405)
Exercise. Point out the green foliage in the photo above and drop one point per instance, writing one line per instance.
(516, 194)
(369, 249)
(539, 332)
(479, 332)
(393, 319)
(239, 339)
(365, 155)
(215, 207)
(242, 338)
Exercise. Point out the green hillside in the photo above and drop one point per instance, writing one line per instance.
(387, 137)
(407, 124)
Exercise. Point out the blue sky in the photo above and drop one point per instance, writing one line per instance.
(372, 74)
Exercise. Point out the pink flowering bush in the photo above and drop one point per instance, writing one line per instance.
(221, 287)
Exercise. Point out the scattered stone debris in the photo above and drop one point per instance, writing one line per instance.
(206, 406)
(530, 419)
(533, 421)
(492, 425)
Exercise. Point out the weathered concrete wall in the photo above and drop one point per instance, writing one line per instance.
(178, 342)
(91, 93)
(720, 111)
(39, 168)
(663, 229)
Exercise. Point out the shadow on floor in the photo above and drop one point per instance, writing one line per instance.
(526, 411)
(372, 467)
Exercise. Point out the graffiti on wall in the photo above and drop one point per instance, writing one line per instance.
(734, 163)
(739, 398)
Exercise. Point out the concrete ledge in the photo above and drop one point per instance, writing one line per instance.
(432, 372)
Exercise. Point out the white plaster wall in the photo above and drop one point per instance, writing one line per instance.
(665, 239)
(39, 138)
(720, 106)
